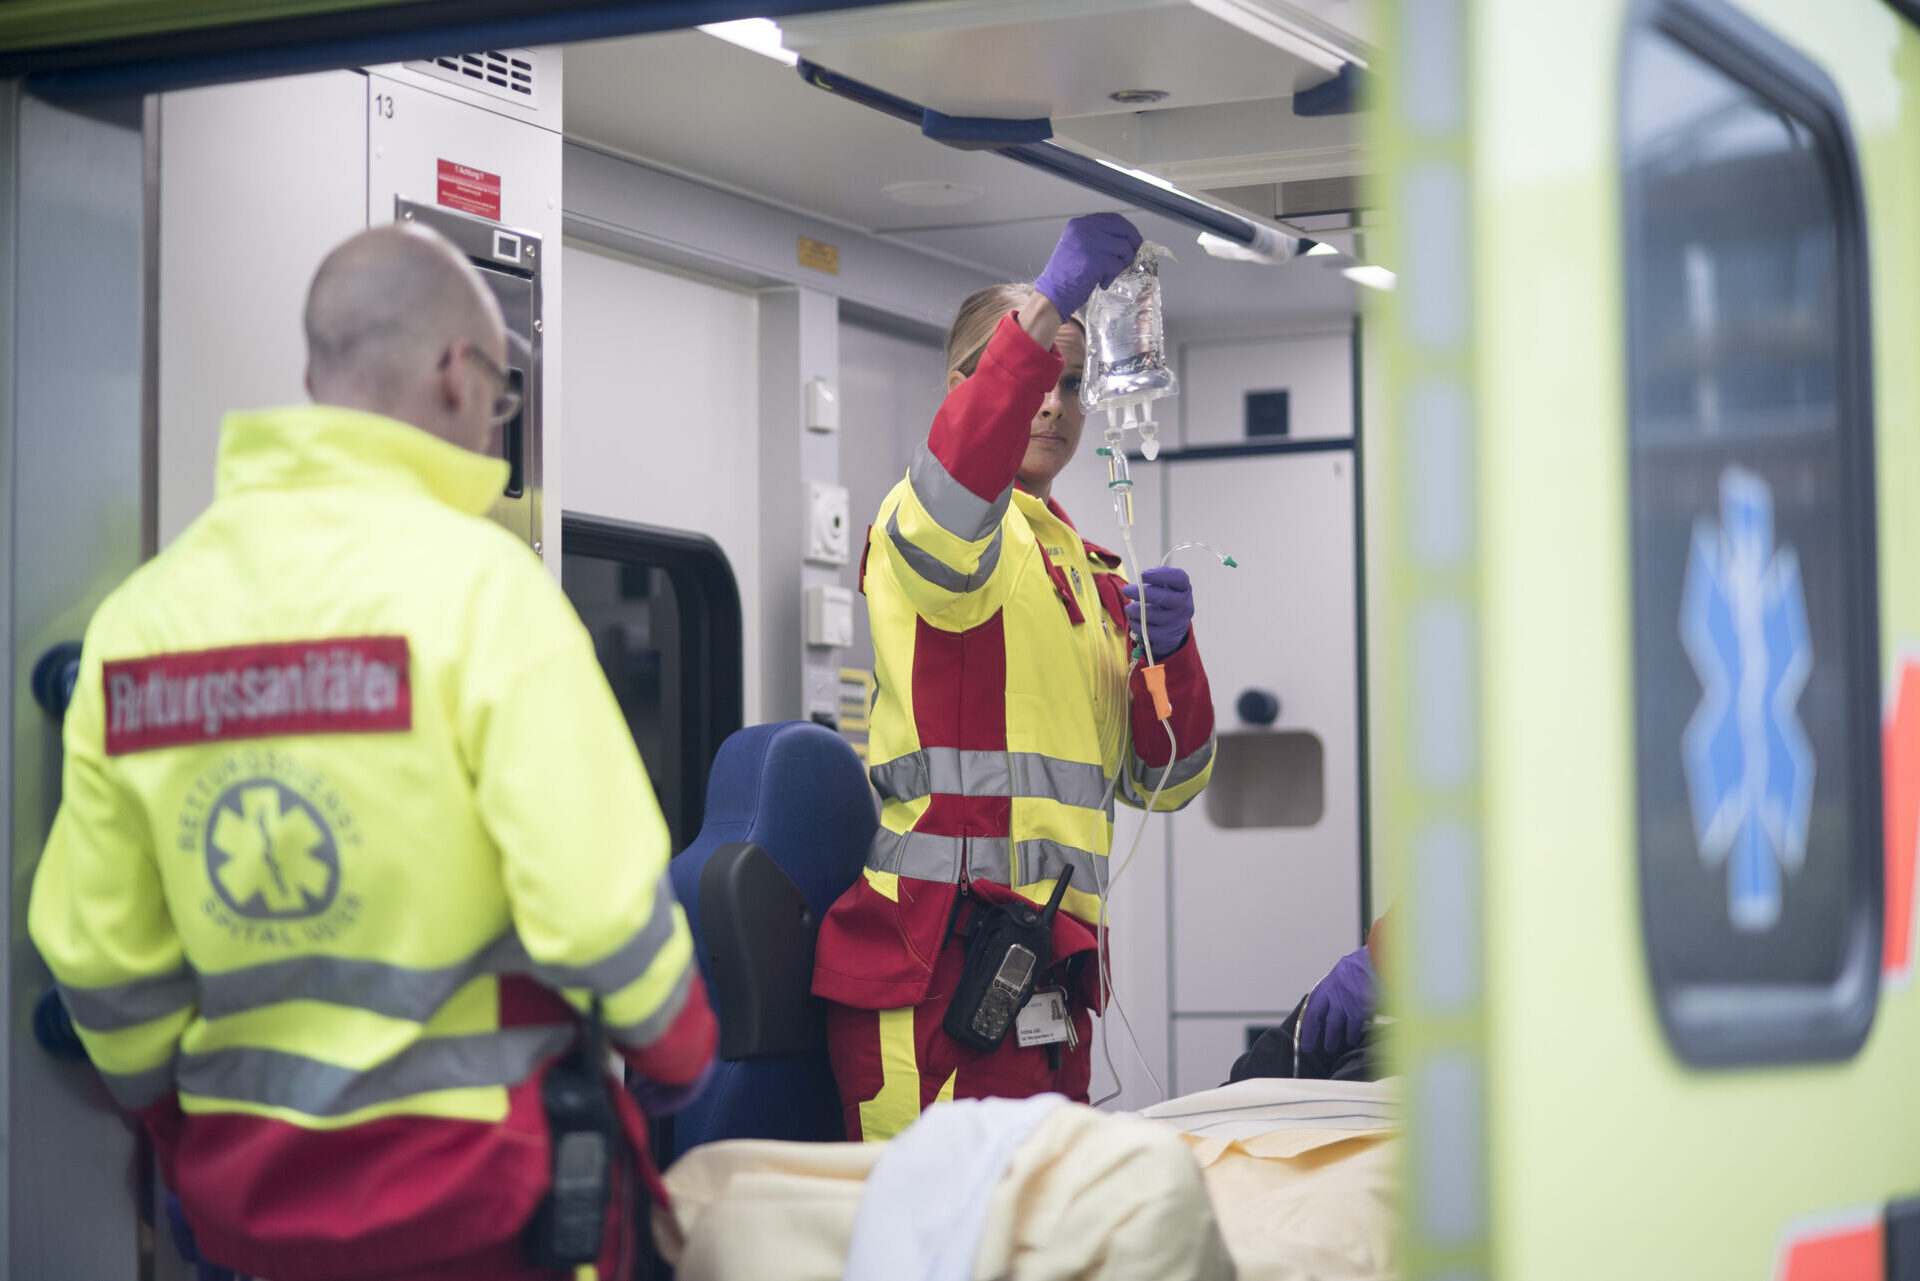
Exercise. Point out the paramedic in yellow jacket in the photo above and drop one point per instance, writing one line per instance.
(348, 805)
(1009, 711)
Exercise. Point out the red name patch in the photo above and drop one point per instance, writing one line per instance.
(348, 686)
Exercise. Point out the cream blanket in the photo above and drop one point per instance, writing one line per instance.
(1298, 1186)
(1300, 1174)
(1087, 1195)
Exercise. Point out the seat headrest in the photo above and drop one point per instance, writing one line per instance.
(797, 790)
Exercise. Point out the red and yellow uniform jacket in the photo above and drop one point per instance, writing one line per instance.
(1005, 705)
(351, 825)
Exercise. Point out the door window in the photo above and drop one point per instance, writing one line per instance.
(1756, 668)
(664, 613)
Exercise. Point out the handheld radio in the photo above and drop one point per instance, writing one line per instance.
(1008, 947)
(570, 1223)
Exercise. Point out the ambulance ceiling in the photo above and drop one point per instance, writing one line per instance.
(697, 105)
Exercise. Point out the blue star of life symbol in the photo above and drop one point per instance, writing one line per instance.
(1749, 766)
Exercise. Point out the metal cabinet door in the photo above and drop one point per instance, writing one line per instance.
(1259, 913)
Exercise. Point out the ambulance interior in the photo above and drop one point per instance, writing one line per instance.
(732, 285)
(701, 377)
(728, 283)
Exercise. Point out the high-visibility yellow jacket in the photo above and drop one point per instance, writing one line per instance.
(348, 805)
(1006, 701)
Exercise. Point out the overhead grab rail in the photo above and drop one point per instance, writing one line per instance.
(1025, 141)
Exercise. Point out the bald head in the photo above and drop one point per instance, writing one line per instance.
(390, 317)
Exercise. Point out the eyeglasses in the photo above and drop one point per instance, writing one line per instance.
(507, 403)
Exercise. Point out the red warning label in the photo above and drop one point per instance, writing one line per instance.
(470, 190)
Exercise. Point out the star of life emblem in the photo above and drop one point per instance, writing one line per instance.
(270, 853)
(1749, 766)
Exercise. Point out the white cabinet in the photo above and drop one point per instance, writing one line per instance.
(257, 182)
(1259, 912)
(1227, 916)
(420, 136)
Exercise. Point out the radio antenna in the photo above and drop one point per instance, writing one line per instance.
(1059, 892)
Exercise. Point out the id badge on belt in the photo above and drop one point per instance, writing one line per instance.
(1045, 1020)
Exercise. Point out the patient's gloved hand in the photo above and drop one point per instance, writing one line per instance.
(1339, 1006)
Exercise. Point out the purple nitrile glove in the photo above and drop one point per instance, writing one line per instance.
(657, 1100)
(1339, 1005)
(1169, 608)
(1092, 251)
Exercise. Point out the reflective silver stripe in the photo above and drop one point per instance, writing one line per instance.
(654, 1026)
(625, 963)
(904, 778)
(1046, 860)
(136, 1090)
(1069, 782)
(927, 857)
(125, 1005)
(397, 991)
(275, 1078)
(937, 571)
(978, 773)
(918, 854)
(418, 993)
(1184, 770)
(941, 769)
(953, 506)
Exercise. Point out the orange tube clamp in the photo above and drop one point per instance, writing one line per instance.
(1156, 677)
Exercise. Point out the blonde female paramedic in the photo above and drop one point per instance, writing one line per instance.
(1010, 712)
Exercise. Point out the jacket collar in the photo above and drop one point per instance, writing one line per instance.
(313, 445)
(1033, 508)
(1033, 505)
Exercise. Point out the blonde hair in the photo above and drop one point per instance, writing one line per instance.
(979, 316)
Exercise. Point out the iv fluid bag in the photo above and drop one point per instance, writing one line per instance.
(1126, 341)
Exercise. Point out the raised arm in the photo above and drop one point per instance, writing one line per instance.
(939, 530)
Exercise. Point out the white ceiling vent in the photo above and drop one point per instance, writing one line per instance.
(506, 74)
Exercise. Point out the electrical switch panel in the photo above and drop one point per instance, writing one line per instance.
(830, 616)
(826, 523)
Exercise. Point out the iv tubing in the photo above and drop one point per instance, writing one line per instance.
(1132, 565)
(1217, 554)
(1173, 750)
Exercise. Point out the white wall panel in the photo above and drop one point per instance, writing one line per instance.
(1315, 369)
(1260, 913)
(663, 421)
(257, 182)
(890, 388)
(1204, 1048)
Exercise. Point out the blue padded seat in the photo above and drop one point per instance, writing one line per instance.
(797, 790)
